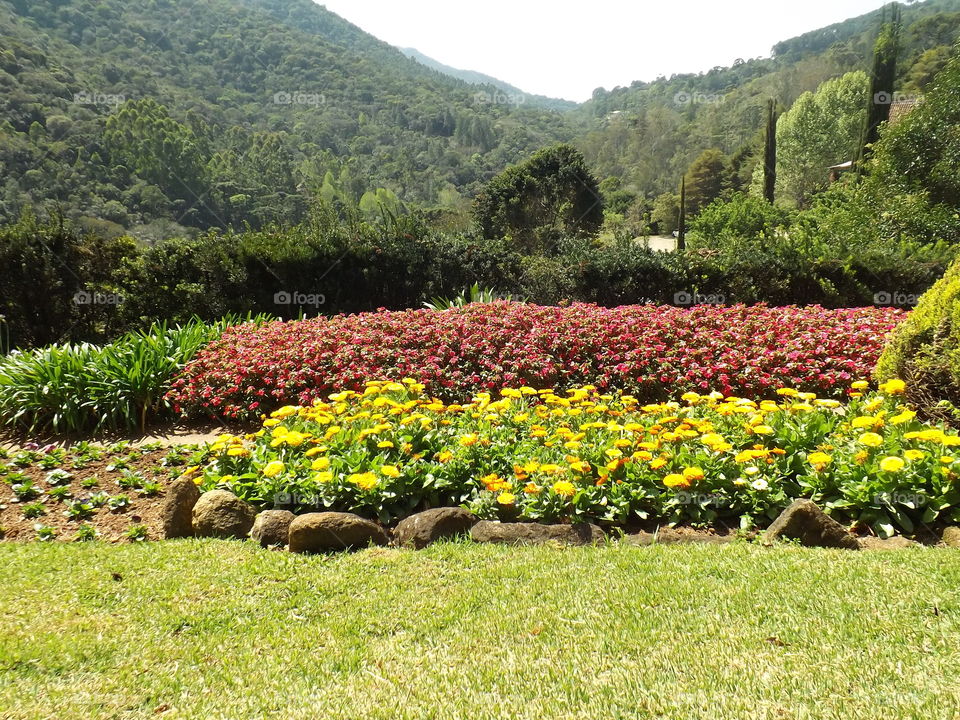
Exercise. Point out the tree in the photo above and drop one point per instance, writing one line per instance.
(682, 223)
(549, 196)
(920, 154)
(705, 180)
(820, 130)
(770, 154)
(885, 53)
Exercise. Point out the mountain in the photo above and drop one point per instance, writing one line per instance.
(173, 116)
(513, 93)
(227, 112)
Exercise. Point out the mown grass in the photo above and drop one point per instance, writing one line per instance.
(207, 629)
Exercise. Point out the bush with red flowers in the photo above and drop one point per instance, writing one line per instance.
(652, 351)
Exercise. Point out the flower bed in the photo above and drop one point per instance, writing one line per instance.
(654, 352)
(584, 456)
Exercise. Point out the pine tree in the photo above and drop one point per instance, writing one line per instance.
(885, 53)
(682, 225)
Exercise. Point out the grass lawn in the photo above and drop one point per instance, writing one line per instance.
(208, 629)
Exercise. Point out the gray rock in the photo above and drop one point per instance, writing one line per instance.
(271, 528)
(177, 513)
(897, 542)
(806, 522)
(221, 514)
(322, 532)
(418, 531)
(535, 533)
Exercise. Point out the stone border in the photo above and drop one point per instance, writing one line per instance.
(222, 514)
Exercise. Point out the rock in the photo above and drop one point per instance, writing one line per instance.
(321, 532)
(897, 542)
(671, 536)
(806, 522)
(221, 514)
(535, 533)
(272, 527)
(177, 512)
(951, 537)
(418, 531)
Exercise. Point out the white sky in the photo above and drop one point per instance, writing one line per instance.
(567, 49)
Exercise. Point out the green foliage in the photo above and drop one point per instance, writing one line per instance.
(921, 153)
(80, 388)
(705, 180)
(925, 349)
(547, 197)
(475, 294)
(822, 129)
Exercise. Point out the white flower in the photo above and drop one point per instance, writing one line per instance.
(739, 482)
(760, 484)
(752, 470)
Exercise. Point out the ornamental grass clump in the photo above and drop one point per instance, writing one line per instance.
(584, 455)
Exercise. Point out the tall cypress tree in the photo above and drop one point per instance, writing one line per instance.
(770, 154)
(885, 53)
(682, 224)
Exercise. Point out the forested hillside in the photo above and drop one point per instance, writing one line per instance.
(224, 112)
(160, 117)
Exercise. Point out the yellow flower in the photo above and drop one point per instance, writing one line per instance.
(893, 387)
(658, 463)
(693, 473)
(444, 456)
(564, 488)
(238, 451)
(391, 471)
(861, 457)
(819, 460)
(763, 430)
(860, 385)
(323, 477)
(384, 444)
(903, 417)
(531, 488)
(676, 481)
(914, 455)
(320, 464)
(364, 481)
(787, 392)
(469, 440)
(284, 412)
(871, 439)
(892, 464)
(274, 468)
(506, 498)
(947, 460)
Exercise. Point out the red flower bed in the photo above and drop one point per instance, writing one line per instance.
(652, 351)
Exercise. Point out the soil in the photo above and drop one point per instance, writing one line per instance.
(154, 463)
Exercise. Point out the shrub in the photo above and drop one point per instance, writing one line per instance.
(926, 348)
(652, 351)
(389, 450)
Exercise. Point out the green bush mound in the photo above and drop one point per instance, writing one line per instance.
(925, 349)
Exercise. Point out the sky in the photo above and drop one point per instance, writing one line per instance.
(567, 49)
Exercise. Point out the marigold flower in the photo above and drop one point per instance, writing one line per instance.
(694, 473)
(893, 387)
(871, 439)
(675, 480)
(320, 464)
(364, 481)
(273, 469)
(390, 471)
(564, 488)
(892, 464)
(469, 440)
(506, 498)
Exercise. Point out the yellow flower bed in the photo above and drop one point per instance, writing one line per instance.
(585, 455)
